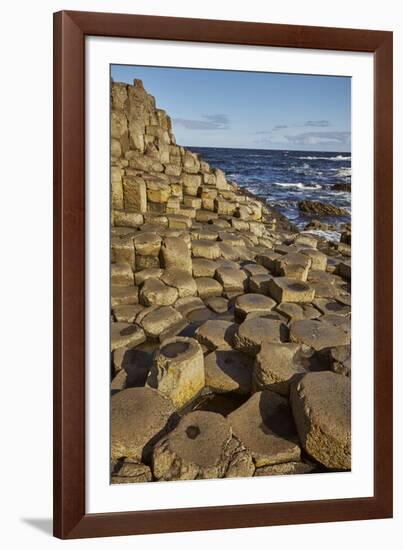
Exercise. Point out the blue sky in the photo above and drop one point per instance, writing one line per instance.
(211, 108)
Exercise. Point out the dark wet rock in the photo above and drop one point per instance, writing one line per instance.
(342, 187)
(317, 208)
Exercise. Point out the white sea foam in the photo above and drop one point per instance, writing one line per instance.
(328, 235)
(343, 172)
(299, 185)
(337, 157)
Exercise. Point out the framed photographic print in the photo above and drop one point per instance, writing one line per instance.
(222, 204)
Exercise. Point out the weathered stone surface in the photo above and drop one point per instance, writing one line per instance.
(286, 468)
(135, 194)
(135, 363)
(131, 472)
(155, 292)
(256, 330)
(217, 304)
(158, 191)
(204, 234)
(122, 250)
(295, 312)
(284, 289)
(127, 314)
(205, 249)
(224, 207)
(192, 202)
(265, 426)
(228, 371)
(229, 252)
(181, 280)
(207, 287)
(321, 404)
(178, 370)
(332, 307)
(159, 320)
(118, 382)
(340, 359)
(293, 265)
(188, 304)
(318, 259)
(255, 269)
(198, 448)
(147, 262)
(175, 253)
(317, 335)
(147, 244)
(178, 221)
(250, 303)
(268, 260)
(126, 334)
(139, 418)
(124, 295)
(306, 239)
(125, 218)
(276, 367)
(234, 239)
(203, 267)
(259, 284)
(216, 334)
(231, 279)
(150, 273)
(240, 462)
(121, 274)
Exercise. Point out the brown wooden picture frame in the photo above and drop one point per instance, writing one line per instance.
(70, 517)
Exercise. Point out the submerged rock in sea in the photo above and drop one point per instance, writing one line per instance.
(318, 208)
(342, 187)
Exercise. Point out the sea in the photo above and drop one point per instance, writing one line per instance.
(283, 178)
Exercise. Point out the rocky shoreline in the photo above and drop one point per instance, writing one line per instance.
(230, 330)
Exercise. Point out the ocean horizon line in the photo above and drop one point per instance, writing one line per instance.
(261, 149)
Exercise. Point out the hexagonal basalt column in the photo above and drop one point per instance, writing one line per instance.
(198, 448)
(178, 370)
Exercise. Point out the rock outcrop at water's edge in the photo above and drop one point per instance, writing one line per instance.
(226, 317)
(318, 208)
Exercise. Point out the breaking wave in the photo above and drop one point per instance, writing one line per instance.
(299, 185)
(338, 157)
